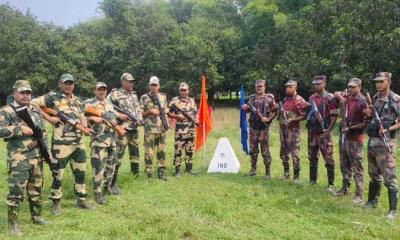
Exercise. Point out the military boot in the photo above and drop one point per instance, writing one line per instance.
(330, 171)
(115, 190)
(36, 210)
(177, 171)
(296, 176)
(393, 198)
(189, 169)
(56, 208)
(13, 227)
(252, 172)
(107, 190)
(135, 169)
(84, 204)
(286, 174)
(267, 175)
(373, 195)
(160, 173)
(313, 175)
(99, 197)
(344, 190)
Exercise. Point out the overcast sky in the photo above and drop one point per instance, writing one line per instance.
(60, 12)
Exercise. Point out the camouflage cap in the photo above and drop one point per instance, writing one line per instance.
(154, 80)
(382, 76)
(127, 77)
(260, 82)
(66, 77)
(354, 82)
(100, 84)
(22, 85)
(183, 86)
(319, 79)
(291, 82)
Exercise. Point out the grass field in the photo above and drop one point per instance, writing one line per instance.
(217, 206)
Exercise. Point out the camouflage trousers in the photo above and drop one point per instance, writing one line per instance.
(382, 164)
(154, 143)
(24, 176)
(184, 144)
(259, 137)
(76, 156)
(130, 139)
(103, 160)
(290, 145)
(323, 144)
(351, 162)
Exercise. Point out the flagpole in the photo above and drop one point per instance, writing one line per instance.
(204, 144)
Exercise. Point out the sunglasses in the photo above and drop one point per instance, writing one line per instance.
(154, 85)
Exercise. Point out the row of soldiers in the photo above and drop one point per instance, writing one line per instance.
(378, 116)
(112, 123)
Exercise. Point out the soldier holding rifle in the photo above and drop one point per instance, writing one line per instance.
(64, 110)
(155, 107)
(385, 107)
(354, 121)
(321, 119)
(262, 108)
(25, 154)
(290, 113)
(184, 110)
(102, 117)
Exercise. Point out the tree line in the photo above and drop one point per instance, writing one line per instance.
(233, 42)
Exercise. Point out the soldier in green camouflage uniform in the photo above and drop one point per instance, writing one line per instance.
(184, 129)
(67, 144)
(103, 154)
(126, 99)
(382, 158)
(24, 162)
(154, 132)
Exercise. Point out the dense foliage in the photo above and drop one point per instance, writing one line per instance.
(232, 41)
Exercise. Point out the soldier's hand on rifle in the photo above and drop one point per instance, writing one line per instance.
(265, 119)
(245, 107)
(325, 134)
(97, 120)
(54, 120)
(345, 130)
(382, 131)
(179, 117)
(154, 112)
(122, 117)
(196, 121)
(26, 131)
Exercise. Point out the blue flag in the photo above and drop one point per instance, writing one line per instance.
(243, 123)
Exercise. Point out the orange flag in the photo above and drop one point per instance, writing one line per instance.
(204, 117)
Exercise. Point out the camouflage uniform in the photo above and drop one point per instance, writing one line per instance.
(351, 148)
(154, 134)
(103, 154)
(259, 132)
(382, 163)
(24, 164)
(327, 106)
(129, 102)
(67, 144)
(184, 131)
(290, 135)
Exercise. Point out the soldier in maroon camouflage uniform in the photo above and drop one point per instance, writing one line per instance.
(259, 126)
(289, 122)
(381, 157)
(320, 138)
(355, 116)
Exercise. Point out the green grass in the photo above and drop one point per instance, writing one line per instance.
(211, 206)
